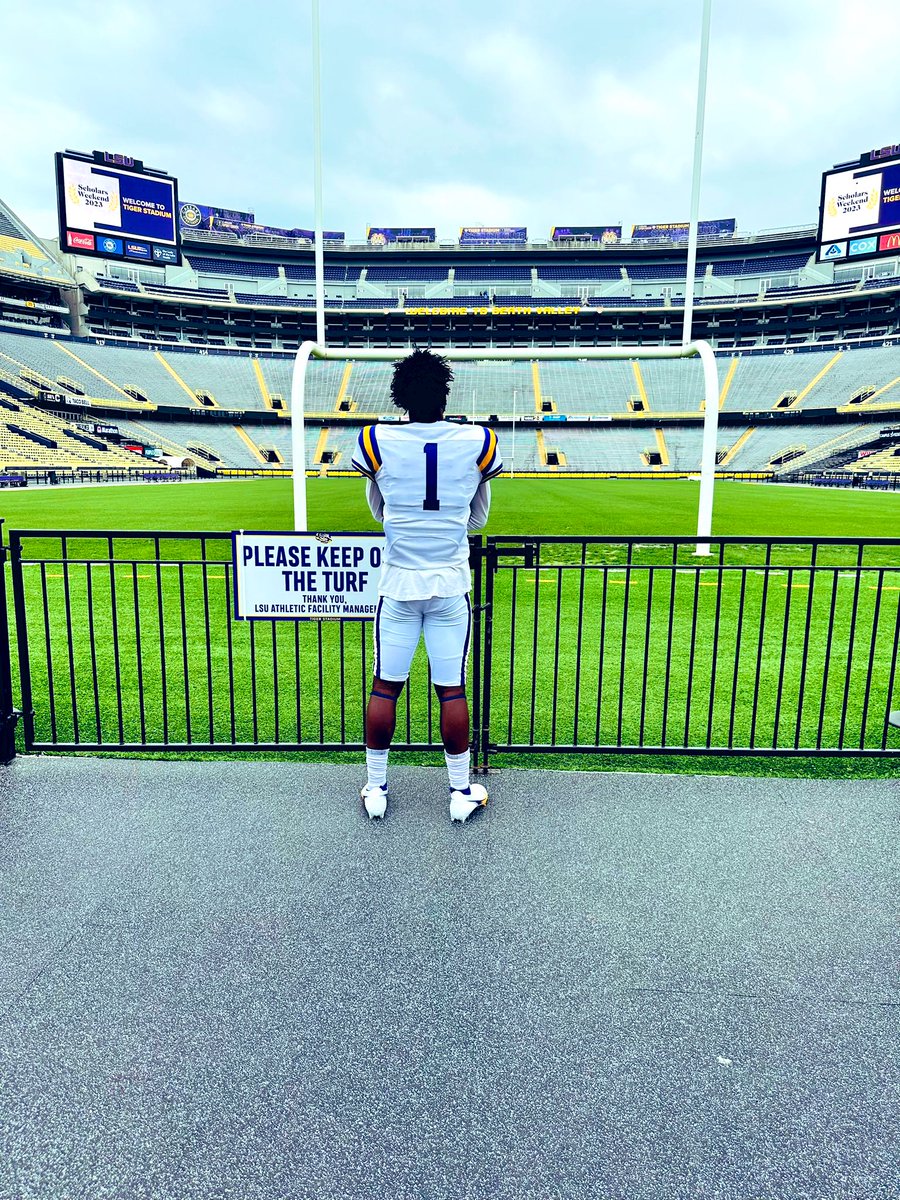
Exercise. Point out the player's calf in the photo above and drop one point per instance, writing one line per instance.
(455, 734)
(381, 720)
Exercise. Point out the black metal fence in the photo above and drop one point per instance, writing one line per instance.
(127, 641)
(881, 481)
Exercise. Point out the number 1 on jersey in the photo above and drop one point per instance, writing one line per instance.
(431, 502)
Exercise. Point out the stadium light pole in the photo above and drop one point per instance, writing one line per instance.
(711, 411)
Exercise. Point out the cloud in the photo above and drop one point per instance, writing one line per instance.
(444, 203)
(508, 113)
(235, 110)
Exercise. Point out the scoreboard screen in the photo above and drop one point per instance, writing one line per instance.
(111, 207)
(859, 212)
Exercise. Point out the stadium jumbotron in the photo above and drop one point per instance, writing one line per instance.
(449, 672)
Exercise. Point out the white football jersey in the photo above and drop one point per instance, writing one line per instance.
(427, 473)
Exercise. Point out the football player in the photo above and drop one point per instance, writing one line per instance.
(428, 482)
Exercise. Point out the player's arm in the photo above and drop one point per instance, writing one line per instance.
(479, 508)
(489, 461)
(375, 500)
(367, 456)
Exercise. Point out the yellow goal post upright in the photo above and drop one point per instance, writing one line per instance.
(697, 349)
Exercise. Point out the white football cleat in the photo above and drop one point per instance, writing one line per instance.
(375, 799)
(462, 806)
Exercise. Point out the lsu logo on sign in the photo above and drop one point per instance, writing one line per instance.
(836, 250)
(889, 241)
(190, 215)
(866, 245)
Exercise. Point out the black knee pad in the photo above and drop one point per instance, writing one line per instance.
(444, 698)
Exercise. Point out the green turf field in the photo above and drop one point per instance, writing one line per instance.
(520, 507)
(731, 688)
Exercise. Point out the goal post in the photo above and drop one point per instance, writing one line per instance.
(697, 349)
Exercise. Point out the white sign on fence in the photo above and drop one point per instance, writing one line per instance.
(306, 576)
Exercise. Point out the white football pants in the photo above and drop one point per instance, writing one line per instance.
(446, 622)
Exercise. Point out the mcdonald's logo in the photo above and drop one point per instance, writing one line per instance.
(889, 241)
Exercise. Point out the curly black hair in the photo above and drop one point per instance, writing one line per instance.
(420, 385)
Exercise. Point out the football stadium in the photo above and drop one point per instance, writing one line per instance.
(656, 963)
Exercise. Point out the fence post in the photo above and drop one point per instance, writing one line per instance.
(27, 714)
(476, 561)
(489, 568)
(8, 714)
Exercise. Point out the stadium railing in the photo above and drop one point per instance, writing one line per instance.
(9, 715)
(125, 641)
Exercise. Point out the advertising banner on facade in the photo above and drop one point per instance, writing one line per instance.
(606, 234)
(679, 231)
(383, 235)
(485, 235)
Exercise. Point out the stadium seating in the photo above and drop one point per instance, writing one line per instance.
(887, 460)
(397, 273)
(537, 301)
(492, 272)
(662, 270)
(575, 274)
(245, 269)
(759, 381)
(67, 448)
(117, 285)
(272, 301)
(188, 293)
(307, 274)
(817, 379)
(778, 264)
(626, 302)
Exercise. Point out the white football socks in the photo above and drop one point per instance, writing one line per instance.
(376, 767)
(458, 770)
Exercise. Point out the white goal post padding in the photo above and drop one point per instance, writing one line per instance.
(701, 350)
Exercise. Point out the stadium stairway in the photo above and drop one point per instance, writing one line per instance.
(250, 444)
(219, 978)
(736, 447)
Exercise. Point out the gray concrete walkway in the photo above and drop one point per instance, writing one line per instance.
(219, 980)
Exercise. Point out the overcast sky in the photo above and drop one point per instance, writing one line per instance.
(453, 113)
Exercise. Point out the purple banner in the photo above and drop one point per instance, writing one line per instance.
(481, 235)
(607, 234)
(679, 231)
(380, 235)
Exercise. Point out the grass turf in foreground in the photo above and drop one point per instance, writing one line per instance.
(521, 507)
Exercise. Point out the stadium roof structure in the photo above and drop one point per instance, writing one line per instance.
(23, 254)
